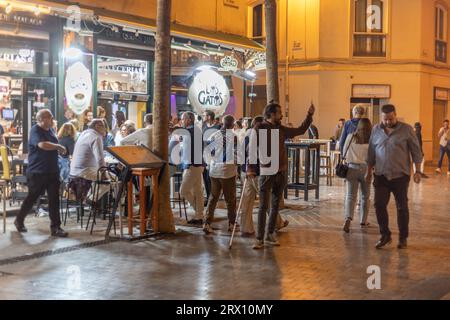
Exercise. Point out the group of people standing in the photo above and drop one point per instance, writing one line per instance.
(381, 154)
(220, 175)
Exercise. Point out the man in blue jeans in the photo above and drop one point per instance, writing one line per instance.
(391, 147)
(43, 172)
(444, 146)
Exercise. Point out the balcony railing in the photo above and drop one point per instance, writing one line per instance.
(369, 45)
(441, 51)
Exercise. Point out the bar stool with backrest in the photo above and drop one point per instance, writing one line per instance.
(76, 191)
(99, 207)
(177, 178)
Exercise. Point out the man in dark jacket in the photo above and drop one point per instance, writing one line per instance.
(272, 179)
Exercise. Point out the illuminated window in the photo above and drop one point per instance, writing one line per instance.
(369, 34)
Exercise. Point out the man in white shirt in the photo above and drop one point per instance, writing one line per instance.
(223, 171)
(444, 146)
(88, 154)
(141, 136)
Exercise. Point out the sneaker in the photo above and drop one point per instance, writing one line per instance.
(438, 170)
(385, 240)
(207, 228)
(42, 213)
(259, 244)
(424, 176)
(272, 240)
(365, 225)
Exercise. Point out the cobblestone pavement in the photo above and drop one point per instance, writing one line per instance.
(316, 259)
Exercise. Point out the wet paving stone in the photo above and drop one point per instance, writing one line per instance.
(316, 259)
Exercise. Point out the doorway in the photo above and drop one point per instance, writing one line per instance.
(256, 101)
(439, 115)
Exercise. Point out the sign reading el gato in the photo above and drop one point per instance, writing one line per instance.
(209, 91)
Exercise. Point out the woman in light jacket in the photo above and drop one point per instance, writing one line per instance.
(356, 148)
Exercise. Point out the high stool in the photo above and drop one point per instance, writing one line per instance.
(79, 188)
(177, 178)
(97, 206)
(141, 219)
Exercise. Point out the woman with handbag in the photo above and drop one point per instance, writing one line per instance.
(356, 149)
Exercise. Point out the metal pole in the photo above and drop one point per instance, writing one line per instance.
(238, 211)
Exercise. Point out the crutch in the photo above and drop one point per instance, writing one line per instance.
(238, 212)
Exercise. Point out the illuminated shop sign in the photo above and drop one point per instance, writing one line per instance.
(256, 62)
(17, 60)
(78, 87)
(209, 91)
(129, 69)
(22, 19)
(229, 63)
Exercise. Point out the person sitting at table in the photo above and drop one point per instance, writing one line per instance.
(76, 124)
(88, 158)
(141, 136)
(125, 130)
(108, 139)
(66, 138)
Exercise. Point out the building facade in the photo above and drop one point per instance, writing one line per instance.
(78, 57)
(337, 53)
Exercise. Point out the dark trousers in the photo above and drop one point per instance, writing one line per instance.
(444, 151)
(38, 183)
(383, 189)
(270, 185)
(228, 186)
(207, 182)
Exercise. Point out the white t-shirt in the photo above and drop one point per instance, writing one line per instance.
(445, 137)
(141, 136)
(357, 153)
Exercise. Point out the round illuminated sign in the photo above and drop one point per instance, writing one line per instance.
(78, 87)
(209, 91)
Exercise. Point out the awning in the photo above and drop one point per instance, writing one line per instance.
(177, 30)
(219, 38)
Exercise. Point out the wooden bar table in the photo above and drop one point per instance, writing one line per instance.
(142, 174)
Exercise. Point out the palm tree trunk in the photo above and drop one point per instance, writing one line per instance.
(161, 107)
(273, 91)
(273, 88)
